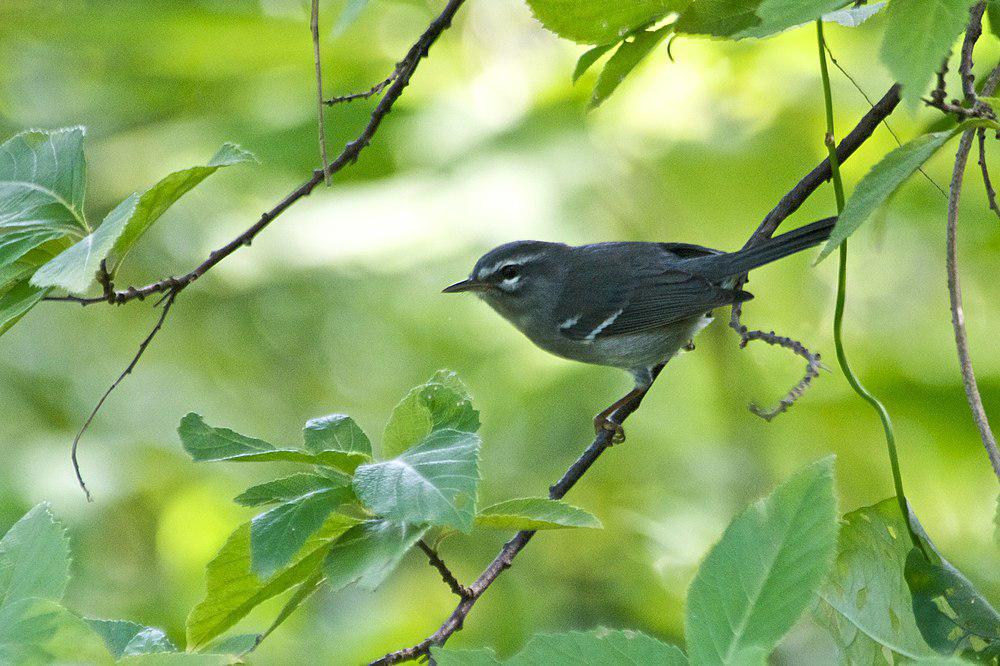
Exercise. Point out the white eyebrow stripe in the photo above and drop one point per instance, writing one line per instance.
(569, 323)
(603, 325)
(515, 261)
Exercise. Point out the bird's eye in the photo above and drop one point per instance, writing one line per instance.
(509, 272)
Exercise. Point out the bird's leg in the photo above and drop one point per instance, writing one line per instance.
(611, 418)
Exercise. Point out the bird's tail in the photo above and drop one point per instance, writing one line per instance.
(722, 266)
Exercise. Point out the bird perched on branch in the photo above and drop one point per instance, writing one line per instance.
(627, 305)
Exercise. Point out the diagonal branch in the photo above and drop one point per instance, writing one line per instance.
(788, 205)
(446, 575)
(314, 28)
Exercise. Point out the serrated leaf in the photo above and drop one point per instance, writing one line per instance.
(432, 483)
(277, 535)
(757, 581)
(339, 433)
(866, 587)
(952, 616)
(600, 21)
(448, 657)
(124, 638)
(535, 513)
(15, 244)
(852, 17)
(207, 444)
(918, 37)
(236, 645)
(74, 269)
(625, 59)
(16, 302)
(719, 18)
(441, 403)
(368, 553)
(885, 178)
(34, 558)
(233, 590)
(588, 59)
(288, 488)
(40, 632)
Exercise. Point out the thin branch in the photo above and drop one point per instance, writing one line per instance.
(991, 194)
(408, 65)
(813, 366)
(371, 92)
(973, 32)
(167, 303)
(314, 27)
(954, 283)
(446, 575)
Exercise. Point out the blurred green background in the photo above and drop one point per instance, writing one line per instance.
(336, 307)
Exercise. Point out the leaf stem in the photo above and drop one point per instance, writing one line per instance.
(838, 317)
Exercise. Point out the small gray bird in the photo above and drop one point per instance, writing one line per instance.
(627, 305)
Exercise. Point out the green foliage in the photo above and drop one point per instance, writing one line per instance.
(535, 513)
(288, 488)
(588, 59)
(866, 590)
(738, 19)
(441, 403)
(36, 629)
(432, 483)
(336, 432)
(600, 21)
(918, 37)
(761, 576)
(953, 617)
(853, 16)
(368, 553)
(625, 59)
(601, 647)
(884, 179)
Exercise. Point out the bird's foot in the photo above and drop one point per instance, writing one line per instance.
(603, 423)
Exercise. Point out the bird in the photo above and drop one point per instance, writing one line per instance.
(627, 305)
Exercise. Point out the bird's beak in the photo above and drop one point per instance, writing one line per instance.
(465, 285)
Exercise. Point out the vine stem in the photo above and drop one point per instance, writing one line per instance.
(838, 316)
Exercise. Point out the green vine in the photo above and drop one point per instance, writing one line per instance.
(838, 317)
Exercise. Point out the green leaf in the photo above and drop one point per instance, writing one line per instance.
(237, 644)
(719, 18)
(441, 403)
(42, 180)
(535, 513)
(431, 483)
(368, 553)
(16, 244)
(587, 60)
(288, 488)
(124, 639)
(993, 16)
(176, 659)
(918, 37)
(337, 432)
(233, 590)
(866, 587)
(75, 269)
(34, 558)
(739, 19)
(852, 17)
(624, 60)
(952, 616)
(600, 21)
(16, 302)
(600, 647)
(207, 444)
(885, 178)
(277, 535)
(41, 632)
(761, 576)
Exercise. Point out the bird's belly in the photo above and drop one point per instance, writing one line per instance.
(636, 350)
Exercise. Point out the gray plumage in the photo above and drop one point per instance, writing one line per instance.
(629, 305)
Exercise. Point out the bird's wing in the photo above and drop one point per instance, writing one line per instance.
(653, 296)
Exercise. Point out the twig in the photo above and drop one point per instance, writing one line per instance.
(167, 303)
(314, 27)
(954, 284)
(813, 366)
(408, 65)
(371, 92)
(991, 194)
(973, 32)
(446, 575)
